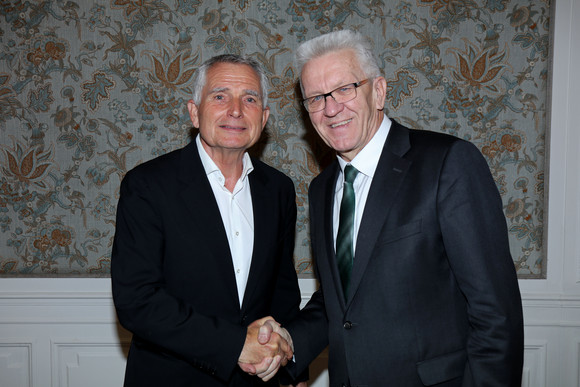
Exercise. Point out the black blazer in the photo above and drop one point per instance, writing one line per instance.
(173, 278)
(434, 298)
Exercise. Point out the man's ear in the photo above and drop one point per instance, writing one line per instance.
(193, 113)
(265, 115)
(380, 91)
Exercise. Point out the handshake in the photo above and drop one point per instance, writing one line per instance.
(268, 346)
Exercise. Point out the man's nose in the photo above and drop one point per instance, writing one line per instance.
(331, 107)
(235, 108)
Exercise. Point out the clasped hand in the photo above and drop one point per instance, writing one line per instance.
(267, 347)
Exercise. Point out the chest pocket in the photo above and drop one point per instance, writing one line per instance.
(401, 232)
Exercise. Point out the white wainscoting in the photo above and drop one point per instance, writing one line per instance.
(64, 333)
(60, 332)
(67, 335)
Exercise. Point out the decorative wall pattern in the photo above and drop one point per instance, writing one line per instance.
(89, 89)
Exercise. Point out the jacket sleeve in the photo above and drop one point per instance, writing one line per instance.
(475, 236)
(309, 331)
(286, 300)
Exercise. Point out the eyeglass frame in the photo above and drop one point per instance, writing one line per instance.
(329, 94)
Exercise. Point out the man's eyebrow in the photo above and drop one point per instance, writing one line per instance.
(218, 90)
(246, 91)
(252, 92)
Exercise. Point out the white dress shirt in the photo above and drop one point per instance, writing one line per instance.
(237, 215)
(365, 162)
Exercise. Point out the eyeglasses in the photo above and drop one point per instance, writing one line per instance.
(341, 94)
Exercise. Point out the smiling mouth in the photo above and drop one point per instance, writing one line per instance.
(341, 123)
(230, 127)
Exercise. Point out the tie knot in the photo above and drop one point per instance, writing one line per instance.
(350, 173)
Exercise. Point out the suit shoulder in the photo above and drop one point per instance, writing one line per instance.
(452, 153)
(431, 137)
(327, 174)
(158, 168)
(440, 141)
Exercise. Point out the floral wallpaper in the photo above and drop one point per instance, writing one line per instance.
(90, 89)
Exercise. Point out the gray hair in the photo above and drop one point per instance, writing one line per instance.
(336, 41)
(201, 75)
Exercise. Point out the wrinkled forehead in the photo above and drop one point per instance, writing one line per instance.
(327, 72)
(232, 76)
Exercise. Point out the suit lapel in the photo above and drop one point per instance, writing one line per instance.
(199, 199)
(263, 208)
(390, 172)
(324, 225)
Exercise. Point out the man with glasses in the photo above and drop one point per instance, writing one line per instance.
(418, 287)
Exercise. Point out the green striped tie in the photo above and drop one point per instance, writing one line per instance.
(344, 247)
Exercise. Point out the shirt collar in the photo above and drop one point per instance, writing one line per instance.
(210, 166)
(367, 159)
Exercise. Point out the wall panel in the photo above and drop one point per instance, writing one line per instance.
(93, 363)
(16, 362)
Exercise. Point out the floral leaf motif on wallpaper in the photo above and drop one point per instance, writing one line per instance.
(123, 42)
(103, 266)
(97, 90)
(273, 40)
(278, 137)
(427, 40)
(400, 87)
(225, 41)
(9, 103)
(269, 63)
(40, 99)
(212, 20)
(310, 168)
(319, 12)
(283, 88)
(480, 68)
(28, 166)
(242, 5)
(173, 71)
(145, 9)
(452, 7)
(188, 7)
(8, 266)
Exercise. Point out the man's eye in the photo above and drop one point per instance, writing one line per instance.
(251, 100)
(316, 98)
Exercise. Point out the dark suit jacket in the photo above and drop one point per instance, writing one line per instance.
(434, 298)
(173, 278)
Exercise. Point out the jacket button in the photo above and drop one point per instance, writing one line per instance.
(347, 325)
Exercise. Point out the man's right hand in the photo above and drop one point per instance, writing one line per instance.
(272, 326)
(269, 328)
(264, 350)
